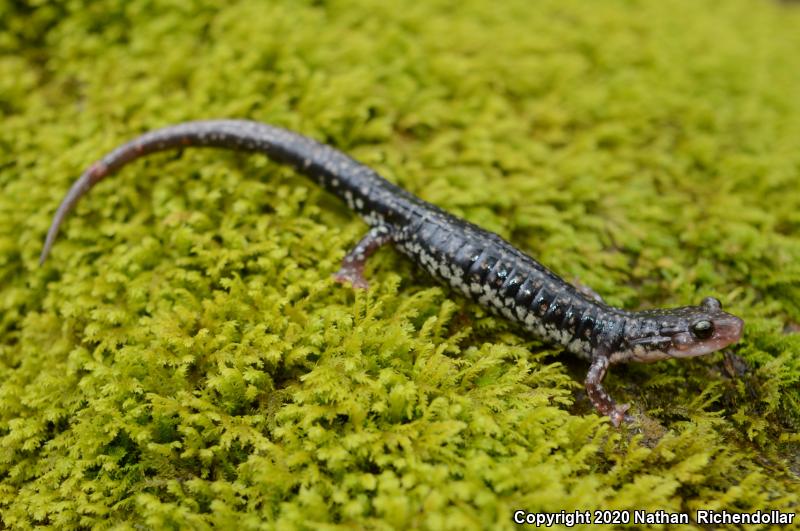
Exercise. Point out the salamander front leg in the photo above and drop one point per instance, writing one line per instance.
(602, 402)
(352, 270)
(586, 290)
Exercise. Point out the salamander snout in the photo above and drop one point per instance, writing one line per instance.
(706, 328)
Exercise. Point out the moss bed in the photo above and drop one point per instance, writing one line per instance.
(184, 359)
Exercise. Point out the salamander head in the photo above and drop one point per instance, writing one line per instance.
(683, 332)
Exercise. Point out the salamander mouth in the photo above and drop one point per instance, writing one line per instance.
(727, 330)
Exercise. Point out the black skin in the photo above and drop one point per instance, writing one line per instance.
(475, 262)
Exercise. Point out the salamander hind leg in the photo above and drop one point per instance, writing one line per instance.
(352, 270)
(599, 397)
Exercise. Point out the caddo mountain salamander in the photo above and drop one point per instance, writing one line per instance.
(475, 262)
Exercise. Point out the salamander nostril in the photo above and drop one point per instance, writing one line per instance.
(737, 329)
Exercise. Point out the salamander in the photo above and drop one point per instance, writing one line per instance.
(477, 263)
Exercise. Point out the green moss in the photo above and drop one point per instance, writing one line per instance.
(184, 359)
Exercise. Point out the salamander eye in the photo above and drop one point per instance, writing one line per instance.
(711, 304)
(703, 329)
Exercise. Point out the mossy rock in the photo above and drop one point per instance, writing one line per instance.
(184, 359)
